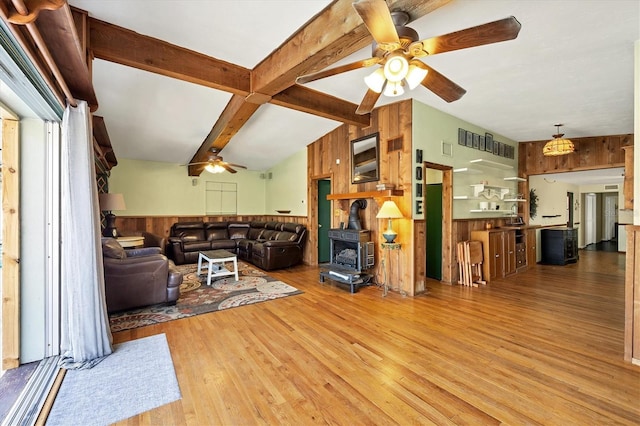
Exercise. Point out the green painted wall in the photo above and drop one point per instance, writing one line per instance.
(162, 189)
(159, 189)
(436, 133)
(286, 189)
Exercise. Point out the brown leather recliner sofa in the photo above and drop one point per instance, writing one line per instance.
(138, 277)
(267, 245)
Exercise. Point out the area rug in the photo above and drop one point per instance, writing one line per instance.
(137, 377)
(197, 298)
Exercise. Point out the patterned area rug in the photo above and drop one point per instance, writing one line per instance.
(197, 298)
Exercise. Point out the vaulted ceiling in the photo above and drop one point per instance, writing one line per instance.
(572, 63)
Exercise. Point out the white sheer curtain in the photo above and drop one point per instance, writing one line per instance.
(85, 334)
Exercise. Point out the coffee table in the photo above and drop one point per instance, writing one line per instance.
(215, 264)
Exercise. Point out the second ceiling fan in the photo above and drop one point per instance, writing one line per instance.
(396, 47)
(216, 164)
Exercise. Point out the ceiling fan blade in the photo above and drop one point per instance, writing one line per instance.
(440, 85)
(368, 102)
(493, 32)
(236, 165)
(377, 18)
(195, 164)
(337, 70)
(228, 168)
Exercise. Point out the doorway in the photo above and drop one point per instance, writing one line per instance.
(324, 220)
(569, 209)
(433, 221)
(610, 216)
(437, 182)
(589, 219)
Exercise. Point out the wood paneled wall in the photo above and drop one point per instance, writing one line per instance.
(161, 225)
(598, 152)
(632, 297)
(329, 158)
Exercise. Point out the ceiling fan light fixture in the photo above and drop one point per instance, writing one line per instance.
(415, 76)
(393, 89)
(214, 168)
(558, 145)
(396, 67)
(375, 81)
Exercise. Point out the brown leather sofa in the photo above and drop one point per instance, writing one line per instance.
(267, 245)
(138, 277)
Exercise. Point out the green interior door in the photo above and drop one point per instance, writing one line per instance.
(433, 221)
(324, 220)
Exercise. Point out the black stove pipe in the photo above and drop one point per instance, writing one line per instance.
(354, 216)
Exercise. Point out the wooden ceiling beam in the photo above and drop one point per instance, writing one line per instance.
(308, 100)
(333, 34)
(47, 32)
(234, 116)
(59, 30)
(120, 45)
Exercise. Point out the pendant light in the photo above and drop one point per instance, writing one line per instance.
(558, 145)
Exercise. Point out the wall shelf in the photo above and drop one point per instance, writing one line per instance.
(489, 191)
(468, 170)
(489, 163)
(366, 194)
(515, 200)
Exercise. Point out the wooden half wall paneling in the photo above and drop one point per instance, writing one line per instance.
(329, 157)
(596, 152)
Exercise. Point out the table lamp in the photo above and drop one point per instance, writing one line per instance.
(389, 210)
(109, 202)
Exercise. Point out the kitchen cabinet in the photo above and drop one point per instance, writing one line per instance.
(498, 250)
(559, 246)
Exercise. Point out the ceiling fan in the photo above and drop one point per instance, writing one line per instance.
(396, 47)
(215, 163)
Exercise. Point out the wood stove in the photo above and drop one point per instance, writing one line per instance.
(352, 253)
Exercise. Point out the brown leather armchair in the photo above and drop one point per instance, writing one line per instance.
(138, 277)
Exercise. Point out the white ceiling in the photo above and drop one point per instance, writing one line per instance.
(572, 63)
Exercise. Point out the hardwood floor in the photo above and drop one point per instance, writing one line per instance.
(542, 347)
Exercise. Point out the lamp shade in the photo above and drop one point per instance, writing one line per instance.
(416, 75)
(389, 210)
(375, 81)
(110, 202)
(558, 146)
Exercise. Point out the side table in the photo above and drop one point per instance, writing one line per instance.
(387, 248)
(131, 242)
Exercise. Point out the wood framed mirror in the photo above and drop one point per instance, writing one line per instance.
(365, 159)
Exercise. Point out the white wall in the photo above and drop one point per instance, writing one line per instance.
(552, 200)
(32, 239)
